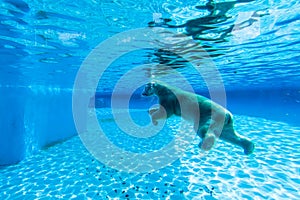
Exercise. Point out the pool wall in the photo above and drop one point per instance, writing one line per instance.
(12, 139)
(278, 104)
(33, 119)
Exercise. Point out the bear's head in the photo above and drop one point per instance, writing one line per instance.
(149, 89)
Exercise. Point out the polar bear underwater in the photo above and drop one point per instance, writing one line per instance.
(210, 120)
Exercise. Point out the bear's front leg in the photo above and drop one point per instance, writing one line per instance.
(152, 110)
(207, 135)
(158, 113)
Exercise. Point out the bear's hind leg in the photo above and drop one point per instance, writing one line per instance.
(247, 145)
(231, 136)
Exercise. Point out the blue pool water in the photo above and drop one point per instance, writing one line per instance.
(71, 72)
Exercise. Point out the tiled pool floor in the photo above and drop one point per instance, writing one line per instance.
(67, 170)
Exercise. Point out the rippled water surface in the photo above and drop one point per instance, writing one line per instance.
(252, 43)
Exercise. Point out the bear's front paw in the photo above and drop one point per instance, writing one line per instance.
(154, 122)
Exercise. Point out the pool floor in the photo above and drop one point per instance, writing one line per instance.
(67, 170)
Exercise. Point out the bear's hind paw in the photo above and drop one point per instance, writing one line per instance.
(248, 147)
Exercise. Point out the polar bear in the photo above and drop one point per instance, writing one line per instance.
(210, 120)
